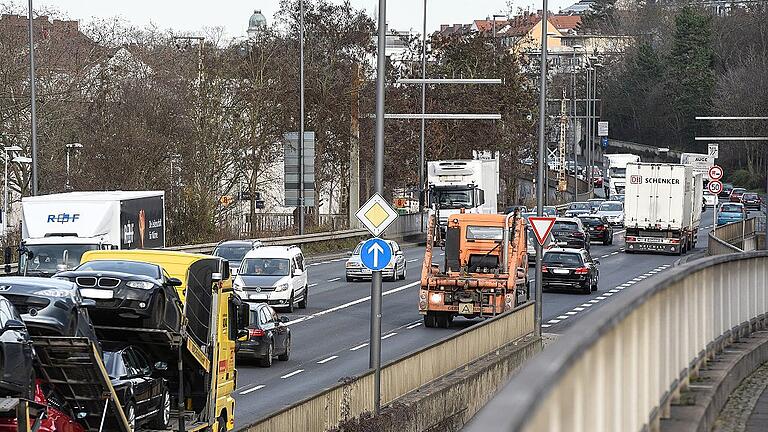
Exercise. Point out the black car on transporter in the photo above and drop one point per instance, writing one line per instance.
(17, 373)
(49, 307)
(133, 290)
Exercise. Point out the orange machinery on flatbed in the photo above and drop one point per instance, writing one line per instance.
(484, 272)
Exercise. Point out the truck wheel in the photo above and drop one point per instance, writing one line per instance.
(444, 320)
(430, 320)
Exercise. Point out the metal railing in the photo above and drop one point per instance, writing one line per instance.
(730, 238)
(621, 366)
(349, 399)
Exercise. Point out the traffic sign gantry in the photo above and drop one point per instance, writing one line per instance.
(376, 215)
(715, 187)
(715, 172)
(375, 254)
(541, 227)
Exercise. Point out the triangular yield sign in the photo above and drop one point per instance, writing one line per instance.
(541, 227)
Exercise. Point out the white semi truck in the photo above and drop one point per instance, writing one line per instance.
(57, 229)
(615, 168)
(468, 185)
(662, 208)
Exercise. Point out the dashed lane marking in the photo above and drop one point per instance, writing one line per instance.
(312, 285)
(615, 290)
(324, 361)
(553, 321)
(412, 326)
(413, 260)
(546, 325)
(578, 309)
(258, 387)
(562, 317)
(359, 346)
(296, 372)
(600, 298)
(571, 313)
(586, 305)
(334, 279)
(388, 335)
(594, 301)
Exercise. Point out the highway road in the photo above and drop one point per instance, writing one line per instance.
(330, 337)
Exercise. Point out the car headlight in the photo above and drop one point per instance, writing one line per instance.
(351, 264)
(54, 293)
(140, 285)
(282, 287)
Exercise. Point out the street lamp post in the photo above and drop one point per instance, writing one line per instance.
(422, 144)
(33, 102)
(301, 117)
(69, 147)
(573, 112)
(542, 150)
(6, 150)
(588, 141)
(595, 66)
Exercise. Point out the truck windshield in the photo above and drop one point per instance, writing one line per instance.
(453, 198)
(484, 233)
(618, 172)
(46, 258)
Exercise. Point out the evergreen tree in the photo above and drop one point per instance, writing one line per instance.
(600, 18)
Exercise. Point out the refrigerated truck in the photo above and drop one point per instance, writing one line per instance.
(662, 208)
(614, 172)
(57, 229)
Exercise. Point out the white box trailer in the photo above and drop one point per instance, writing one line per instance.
(662, 208)
(58, 228)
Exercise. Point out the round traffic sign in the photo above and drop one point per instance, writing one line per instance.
(715, 172)
(375, 254)
(715, 187)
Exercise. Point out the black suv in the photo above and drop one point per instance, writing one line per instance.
(570, 232)
(570, 269)
(598, 227)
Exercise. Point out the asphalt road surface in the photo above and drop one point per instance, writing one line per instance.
(330, 337)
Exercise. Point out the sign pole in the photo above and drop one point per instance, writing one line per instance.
(541, 184)
(378, 182)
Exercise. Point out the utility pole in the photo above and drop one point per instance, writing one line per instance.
(33, 101)
(542, 149)
(354, 148)
(422, 144)
(562, 180)
(378, 186)
(301, 117)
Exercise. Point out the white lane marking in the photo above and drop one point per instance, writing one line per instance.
(352, 303)
(388, 335)
(571, 313)
(586, 305)
(625, 285)
(359, 346)
(334, 279)
(312, 285)
(413, 260)
(546, 325)
(637, 279)
(324, 361)
(296, 372)
(608, 294)
(562, 317)
(258, 387)
(600, 298)
(613, 290)
(605, 256)
(553, 321)
(412, 326)
(619, 232)
(579, 309)
(595, 301)
(615, 253)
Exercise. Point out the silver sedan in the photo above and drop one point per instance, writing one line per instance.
(395, 270)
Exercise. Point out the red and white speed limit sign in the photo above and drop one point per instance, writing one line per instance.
(715, 187)
(715, 172)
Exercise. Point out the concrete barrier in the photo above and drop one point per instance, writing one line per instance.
(622, 366)
(354, 397)
(733, 237)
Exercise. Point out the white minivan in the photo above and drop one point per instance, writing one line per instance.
(275, 275)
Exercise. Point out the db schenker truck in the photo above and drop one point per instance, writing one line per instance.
(57, 229)
(484, 272)
(662, 208)
(471, 186)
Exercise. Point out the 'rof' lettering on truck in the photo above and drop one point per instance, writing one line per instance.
(63, 217)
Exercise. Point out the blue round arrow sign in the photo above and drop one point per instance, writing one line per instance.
(375, 254)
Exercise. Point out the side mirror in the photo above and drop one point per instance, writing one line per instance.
(399, 253)
(242, 333)
(14, 325)
(88, 303)
(596, 261)
(243, 316)
(298, 272)
(217, 277)
(284, 319)
(173, 282)
(349, 253)
(161, 366)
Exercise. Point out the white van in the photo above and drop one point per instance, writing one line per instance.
(275, 275)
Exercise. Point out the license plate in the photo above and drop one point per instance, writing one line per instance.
(565, 243)
(258, 296)
(560, 271)
(466, 308)
(96, 293)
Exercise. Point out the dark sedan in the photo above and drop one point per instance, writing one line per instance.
(268, 336)
(129, 289)
(143, 394)
(751, 201)
(599, 229)
(17, 373)
(570, 269)
(736, 194)
(49, 307)
(726, 192)
(570, 232)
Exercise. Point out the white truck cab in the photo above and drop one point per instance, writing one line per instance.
(615, 172)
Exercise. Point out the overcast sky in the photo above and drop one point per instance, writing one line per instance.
(192, 15)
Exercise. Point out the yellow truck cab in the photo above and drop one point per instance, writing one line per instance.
(205, 375)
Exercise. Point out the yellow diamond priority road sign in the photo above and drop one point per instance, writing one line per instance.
(376, 215)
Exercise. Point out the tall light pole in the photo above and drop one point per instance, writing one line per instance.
(301, 117)
(378, 186)
(542, 149)
(588, 159)
(69, 147)
(6, 150)
(595, 66)
(422, 144)
(575, 121)
(32, 100)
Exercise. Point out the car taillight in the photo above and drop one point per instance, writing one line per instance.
(254, 332)
(544, 268)
(675, 241)
(581, 270)
(630, 239)
(600, 227)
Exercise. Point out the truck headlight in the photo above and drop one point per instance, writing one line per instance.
(140, 285)
(281, 287)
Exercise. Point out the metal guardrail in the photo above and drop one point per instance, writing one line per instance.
(729, 238)
(326, 409)
(633, 357)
